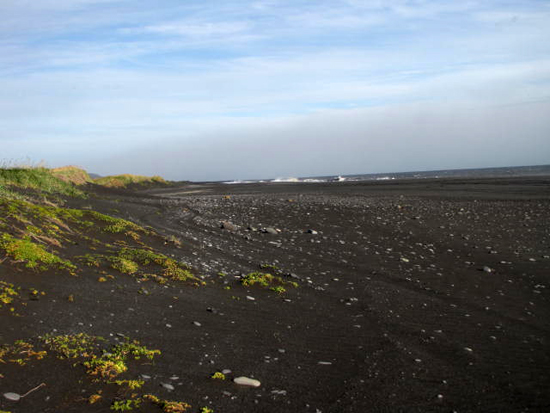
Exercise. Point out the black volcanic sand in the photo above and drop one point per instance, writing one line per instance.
(418, 296)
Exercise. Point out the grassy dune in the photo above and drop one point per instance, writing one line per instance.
(15, 182)
(72, 174)
(125, 180)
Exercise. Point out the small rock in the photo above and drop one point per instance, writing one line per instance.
(14, 397)
(487, 269)
(325, 363)
(228, 226)
(197, 323)
(312, 232)
(167, 386)
(226, 371)
(271, 231)
(250, 298)
(245, 381)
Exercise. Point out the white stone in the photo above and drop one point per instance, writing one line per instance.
(14, 397)
(245, 381)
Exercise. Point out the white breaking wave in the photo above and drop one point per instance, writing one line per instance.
(285, 180)
(239, 182)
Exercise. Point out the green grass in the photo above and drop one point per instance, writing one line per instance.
(39, 179)
(32, 254)
(122, 181)
(273, 282)
(129, 260)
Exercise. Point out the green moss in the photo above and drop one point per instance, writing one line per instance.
(116, 225)
(91, 260)
(20, 352)
(72, 345)
(123, 265)
(131, 384)
(171, 269)
(275, 283)
(34, 255)
(166, 405)
(125, 405)
(278, 289)
(218, 376)
(112, 363)
(8, 293)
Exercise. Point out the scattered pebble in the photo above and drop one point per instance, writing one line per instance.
(245, 381)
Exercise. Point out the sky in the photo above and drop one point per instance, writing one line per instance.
(245, 89)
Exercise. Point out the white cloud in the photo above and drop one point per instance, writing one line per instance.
(129, 72)
(191, 29)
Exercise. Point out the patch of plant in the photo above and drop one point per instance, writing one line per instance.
(125, 405)
(124, 180)
(37, 178)
(8, 293)
(218, 376)
(128, 261)
(167, 406)
(71, 346)
(32, 254)
(267, 280)
(20, 353)
(131, 384)
(117, 225)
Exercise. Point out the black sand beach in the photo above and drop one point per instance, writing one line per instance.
(413, 296)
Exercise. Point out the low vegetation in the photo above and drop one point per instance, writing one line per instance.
(266, 280)
(72, 174)
(8, 293)
(98, 360)
(125, 180)
(32, 255)
(38, 233)
(39, 179)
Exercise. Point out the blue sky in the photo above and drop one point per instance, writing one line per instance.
(252, 89)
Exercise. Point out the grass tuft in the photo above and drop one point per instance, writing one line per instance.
(123, 181)
(33, 255)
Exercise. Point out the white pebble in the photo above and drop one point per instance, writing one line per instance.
(245, 381)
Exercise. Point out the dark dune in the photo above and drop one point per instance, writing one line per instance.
(414, 296)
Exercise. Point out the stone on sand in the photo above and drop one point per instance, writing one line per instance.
(245, 381)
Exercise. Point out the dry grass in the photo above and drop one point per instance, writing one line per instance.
(122, 181)
(72, 174)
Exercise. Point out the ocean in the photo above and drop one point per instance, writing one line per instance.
(501, 172)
